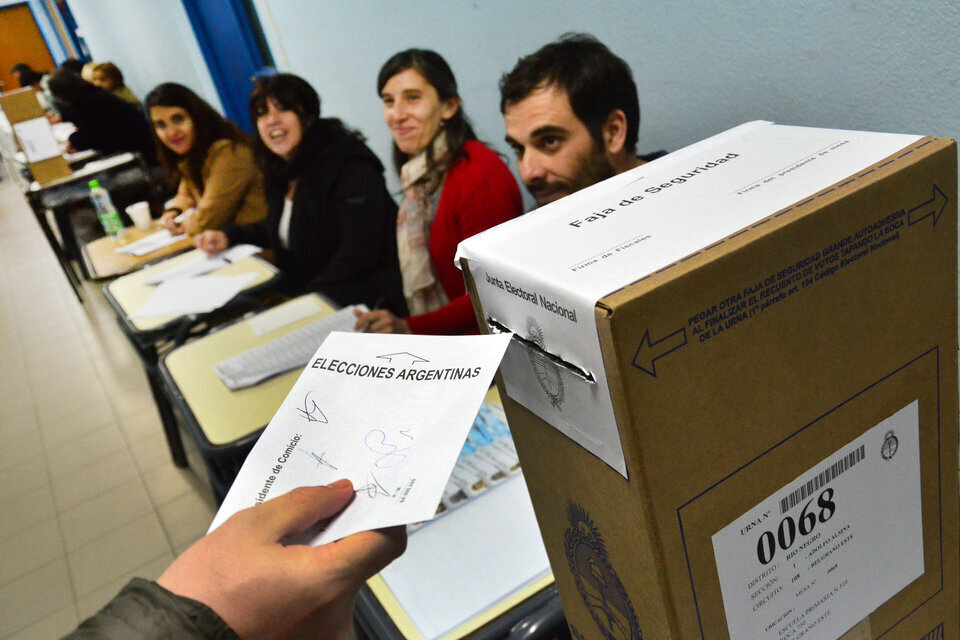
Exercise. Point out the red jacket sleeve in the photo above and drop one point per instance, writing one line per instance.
(479, 193)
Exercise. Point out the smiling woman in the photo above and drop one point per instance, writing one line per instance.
(212, 159)
(330, 218)
(453, 187)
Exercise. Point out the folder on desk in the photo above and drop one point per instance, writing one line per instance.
(27, 118)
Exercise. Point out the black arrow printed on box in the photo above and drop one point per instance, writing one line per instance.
(932, 207)
(649, 352)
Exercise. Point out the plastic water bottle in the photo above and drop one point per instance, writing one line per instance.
(106, 212)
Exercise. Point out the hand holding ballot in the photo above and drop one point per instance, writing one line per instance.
(388, 412)
(263, 589)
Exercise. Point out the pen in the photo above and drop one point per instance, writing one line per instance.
(378, 303)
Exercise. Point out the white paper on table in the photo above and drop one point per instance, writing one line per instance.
(489, 548)
(202, 294)
(287, 313)
(63, 130)
(36, 139)
(388, 412)
(150, 243)
(203, 263)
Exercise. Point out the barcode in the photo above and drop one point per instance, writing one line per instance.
(824, 477)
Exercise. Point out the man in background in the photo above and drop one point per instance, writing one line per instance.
(572, 116)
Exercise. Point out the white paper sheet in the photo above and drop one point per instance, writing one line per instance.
(388, 412)
(464, 563)
(63, 130)
(150, 243)
(287, 313)
(36, 139)
(204, 264)
(202, 294)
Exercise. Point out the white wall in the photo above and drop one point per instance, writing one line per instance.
(150, 40)
(701, 66)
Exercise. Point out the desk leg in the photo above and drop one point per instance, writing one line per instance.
(71, 248)
(149, 356)
(41, 216)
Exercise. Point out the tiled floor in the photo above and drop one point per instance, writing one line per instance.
(88, 495)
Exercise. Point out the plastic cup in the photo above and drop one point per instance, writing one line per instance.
(139, 212)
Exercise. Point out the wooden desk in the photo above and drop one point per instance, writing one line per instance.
(128, 293)
(101, 260)
(60, 196)
(226, 423)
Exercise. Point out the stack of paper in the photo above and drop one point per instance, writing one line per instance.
(203, 263)
(185, 296)
(150, 243)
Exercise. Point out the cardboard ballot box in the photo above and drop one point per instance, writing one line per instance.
(733, 387)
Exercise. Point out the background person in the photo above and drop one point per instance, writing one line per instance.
(26, 75)
(453, 188)
(240, 581)
(104, 122)
(219, 182)
(572, 116)
(330, 218)
(73, 65)
(107, 75)
(87, 71)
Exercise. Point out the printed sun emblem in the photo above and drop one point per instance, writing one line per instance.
(890, 445)
(546, 371)
(601, 589)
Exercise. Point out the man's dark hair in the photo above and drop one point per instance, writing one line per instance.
(68, 87)
(596, 81)
(72, 65)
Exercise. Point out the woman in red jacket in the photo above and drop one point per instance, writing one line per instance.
(453, 188)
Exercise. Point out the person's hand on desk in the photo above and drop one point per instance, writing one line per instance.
(169, 220)
(211, 241)
(263, 589)
(380, 321)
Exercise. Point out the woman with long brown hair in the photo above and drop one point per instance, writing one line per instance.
(218, 179)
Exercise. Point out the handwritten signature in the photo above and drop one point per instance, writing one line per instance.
(311, 411)
(373, 488)
(390, 454)
(319, 459)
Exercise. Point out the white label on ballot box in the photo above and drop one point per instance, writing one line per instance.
(388, 412)
(827, 549)
(541, 275)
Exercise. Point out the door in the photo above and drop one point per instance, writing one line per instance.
(20, 41)
(233, 46)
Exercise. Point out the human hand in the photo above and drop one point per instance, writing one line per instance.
(211, 241)
(263, 589)
(379, 321)
(168, 219)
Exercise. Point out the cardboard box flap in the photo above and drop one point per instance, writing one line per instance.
(541, 275)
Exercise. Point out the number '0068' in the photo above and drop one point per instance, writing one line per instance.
(788, 529)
